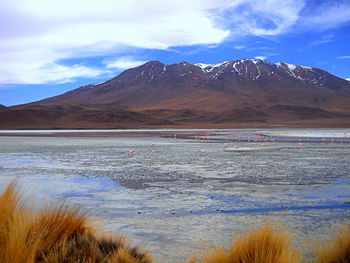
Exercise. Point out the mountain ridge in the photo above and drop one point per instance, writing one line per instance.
(239, 91)
(233, 78)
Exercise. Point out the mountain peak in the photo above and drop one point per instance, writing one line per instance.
(291, 66)
(210, 67)
(153, 63)
(182, 63)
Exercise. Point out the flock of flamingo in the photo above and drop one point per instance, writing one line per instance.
(247, 137)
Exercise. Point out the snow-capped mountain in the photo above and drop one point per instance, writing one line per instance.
(241, 70)
(240, 90)
(230, 84)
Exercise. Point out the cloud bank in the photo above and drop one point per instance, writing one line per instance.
(36, 34)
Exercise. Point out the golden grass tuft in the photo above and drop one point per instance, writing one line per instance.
(338, 250)
(264, 245)
(56, 235)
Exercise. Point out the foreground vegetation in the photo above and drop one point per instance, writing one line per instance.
(60, 235)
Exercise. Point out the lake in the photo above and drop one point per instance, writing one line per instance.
(179, 192)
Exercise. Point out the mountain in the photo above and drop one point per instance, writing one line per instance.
(247, 90)
(228, 85)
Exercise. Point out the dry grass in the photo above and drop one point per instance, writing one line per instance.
(56, 235)
(338, 250)
(264, 245)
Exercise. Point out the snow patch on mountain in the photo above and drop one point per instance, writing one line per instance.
(99, 83)
(210, 67)
(305, 67)
(291, 66)
(94, 85)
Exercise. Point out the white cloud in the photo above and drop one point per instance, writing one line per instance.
(261, 18)
(239, 47)
(328, 14)
(261, 57)
(322, 40)
(123, 63)
(49, 73)
(36, 34)
(343, 57)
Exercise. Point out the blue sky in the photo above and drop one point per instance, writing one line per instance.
(50, 47)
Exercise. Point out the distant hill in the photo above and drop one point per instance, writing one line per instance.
(242, 91)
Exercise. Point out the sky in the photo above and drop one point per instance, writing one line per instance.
(48, 47)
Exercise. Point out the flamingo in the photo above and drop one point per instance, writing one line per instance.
(131, 152)
(201, 151)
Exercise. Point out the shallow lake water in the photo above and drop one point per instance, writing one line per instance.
(179, 195)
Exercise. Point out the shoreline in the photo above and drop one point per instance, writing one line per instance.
(181, 133)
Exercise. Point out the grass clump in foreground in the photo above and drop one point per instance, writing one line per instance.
(264, 245)
(338, 250)
(56, 235)
(60, 235)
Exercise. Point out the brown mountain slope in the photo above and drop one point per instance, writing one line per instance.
(65, 117)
